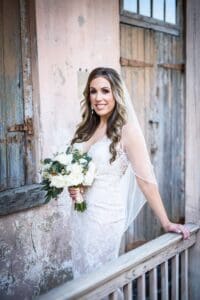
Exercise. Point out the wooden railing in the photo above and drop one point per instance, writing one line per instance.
(156, 270)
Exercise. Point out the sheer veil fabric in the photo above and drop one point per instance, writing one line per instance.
(139, 167)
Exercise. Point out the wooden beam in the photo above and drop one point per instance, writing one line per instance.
(149, 23)
(178, 67)
(125, 62)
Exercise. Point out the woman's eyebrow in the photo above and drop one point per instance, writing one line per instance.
(103, 87)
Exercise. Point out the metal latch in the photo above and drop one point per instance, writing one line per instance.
(27, 126)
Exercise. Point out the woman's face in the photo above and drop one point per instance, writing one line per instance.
(101, 97)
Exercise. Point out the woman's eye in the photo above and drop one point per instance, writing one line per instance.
(92, 92)
(105, 91)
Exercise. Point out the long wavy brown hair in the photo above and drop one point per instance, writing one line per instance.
(116, 120)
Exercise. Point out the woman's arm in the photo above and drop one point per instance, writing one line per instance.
(135, 147)
(153, 197)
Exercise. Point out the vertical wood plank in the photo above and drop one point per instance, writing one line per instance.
(13, 93)
(27, 85)
(141, 288)
(192, 174)
(153, 276)
(3, 110)
(175, 278)
(178, 133)
(164, 281)
(184, 275)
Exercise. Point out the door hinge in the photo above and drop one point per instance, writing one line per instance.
(27, 127)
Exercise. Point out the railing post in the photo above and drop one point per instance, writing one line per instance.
(165, 281)
(141, 287)
(194, 270)
(153, 284)
(175, 278)
(184, 275)
(128, 291)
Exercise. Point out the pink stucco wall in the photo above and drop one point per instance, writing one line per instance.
(73, 37)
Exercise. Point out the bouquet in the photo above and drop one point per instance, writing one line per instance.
(70, 169)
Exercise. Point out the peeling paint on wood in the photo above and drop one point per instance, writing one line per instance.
(12, 173)
(29, 163)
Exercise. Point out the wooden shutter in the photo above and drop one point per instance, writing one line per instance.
(14, 125)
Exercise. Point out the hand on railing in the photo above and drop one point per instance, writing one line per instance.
(178, 228)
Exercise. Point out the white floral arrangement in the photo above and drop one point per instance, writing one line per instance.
(70, 169)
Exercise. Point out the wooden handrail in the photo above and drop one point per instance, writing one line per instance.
(123, 270)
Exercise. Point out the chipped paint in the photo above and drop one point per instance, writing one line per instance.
(35, 250)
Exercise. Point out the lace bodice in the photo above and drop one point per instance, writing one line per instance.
(97, 232)
(106, 173)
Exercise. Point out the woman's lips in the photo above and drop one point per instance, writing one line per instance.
(100, 106)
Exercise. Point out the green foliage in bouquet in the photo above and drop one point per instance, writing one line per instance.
(52, 168)
(78, 157)
(70, 169)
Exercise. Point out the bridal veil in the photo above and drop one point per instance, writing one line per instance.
(139, 167)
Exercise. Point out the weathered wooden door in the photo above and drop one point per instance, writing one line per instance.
(152, 66)
(15, 127)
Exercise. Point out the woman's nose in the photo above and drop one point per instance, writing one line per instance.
(98, 96)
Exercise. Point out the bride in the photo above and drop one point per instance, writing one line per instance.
(110, 133)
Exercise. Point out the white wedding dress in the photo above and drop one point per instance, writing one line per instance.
(97, 232)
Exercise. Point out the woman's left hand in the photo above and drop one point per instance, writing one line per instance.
(178, 228)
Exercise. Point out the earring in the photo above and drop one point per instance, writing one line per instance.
(92, 110)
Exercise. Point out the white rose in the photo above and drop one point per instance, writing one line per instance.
(90, 175)
(63, 158)
(46, 167)
(83, 161)
(57, 181)
(76, 175)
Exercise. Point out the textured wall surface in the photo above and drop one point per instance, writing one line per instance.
(35, 250)
(73, 37)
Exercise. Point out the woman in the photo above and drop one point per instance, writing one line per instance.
(111, 135)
